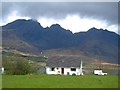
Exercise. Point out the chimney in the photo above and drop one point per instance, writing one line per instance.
(81, 64)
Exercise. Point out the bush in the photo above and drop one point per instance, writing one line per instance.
(22, 67)
(9, 66)
(18, 67)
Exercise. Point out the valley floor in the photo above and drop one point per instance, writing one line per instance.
(59, 81)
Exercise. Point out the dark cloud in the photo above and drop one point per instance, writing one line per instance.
(99, 10)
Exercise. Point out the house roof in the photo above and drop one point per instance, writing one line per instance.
(63, 61)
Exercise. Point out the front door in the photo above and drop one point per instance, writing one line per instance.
(62, 70)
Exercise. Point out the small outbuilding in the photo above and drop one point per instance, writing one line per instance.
(64, 66)
(1, 70)
(99, 72)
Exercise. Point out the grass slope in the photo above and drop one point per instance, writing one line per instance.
(56, 81)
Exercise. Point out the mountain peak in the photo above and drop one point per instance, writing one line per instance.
(19, 20)
(33, 20)
(23, 20)
(105, 31)
(23, 23)
(96, 30)
(93, 28)
(55, 26)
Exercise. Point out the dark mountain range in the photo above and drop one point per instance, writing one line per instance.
(29, 36)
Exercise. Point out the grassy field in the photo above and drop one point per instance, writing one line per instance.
(0, 81)
(57, 81)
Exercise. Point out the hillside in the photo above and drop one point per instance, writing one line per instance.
(30, 37)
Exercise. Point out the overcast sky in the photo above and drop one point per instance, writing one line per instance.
(75, 16)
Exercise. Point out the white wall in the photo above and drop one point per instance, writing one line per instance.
(97, 71)
(66, 71)
(56, 71)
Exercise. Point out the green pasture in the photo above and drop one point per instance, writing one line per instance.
(59, 81)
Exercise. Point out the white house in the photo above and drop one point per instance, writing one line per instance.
(63, 66)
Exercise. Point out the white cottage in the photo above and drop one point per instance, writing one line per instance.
(63, 66)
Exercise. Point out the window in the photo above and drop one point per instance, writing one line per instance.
(73, 69)
(52, 69)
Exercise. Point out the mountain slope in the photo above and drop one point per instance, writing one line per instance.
(30, 36)
(100, 43)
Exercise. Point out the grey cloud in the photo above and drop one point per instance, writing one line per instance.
(99, 10)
